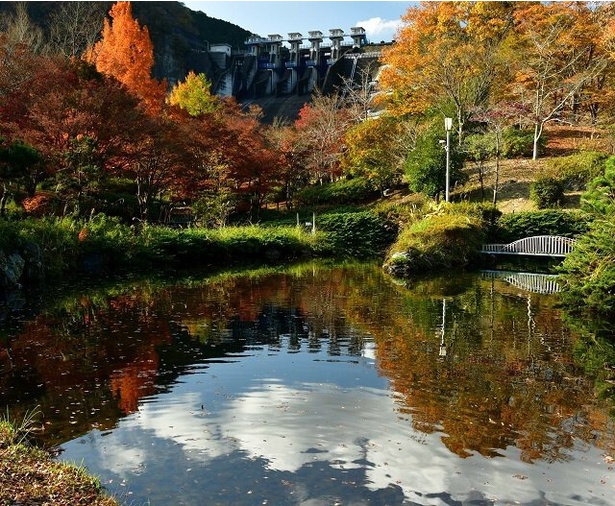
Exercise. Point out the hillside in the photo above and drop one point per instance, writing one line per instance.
(517, 174)
(178, 33)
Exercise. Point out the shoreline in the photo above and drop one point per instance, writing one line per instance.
(30, 475)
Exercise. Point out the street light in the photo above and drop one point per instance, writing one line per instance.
(448, 125)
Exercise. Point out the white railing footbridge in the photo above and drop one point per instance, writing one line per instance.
(539, 245)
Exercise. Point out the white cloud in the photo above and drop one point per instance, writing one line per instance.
(295, 416)
(379, 28)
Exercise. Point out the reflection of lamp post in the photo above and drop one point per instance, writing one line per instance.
(448, 125)
(443, 331)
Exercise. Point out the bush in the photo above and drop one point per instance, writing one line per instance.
(346, 191)
(360, 234)
(514, 226)
(600, 195)
(483, 213)
(588, 273)
(480, 147)
(425, 166)
(516, 142)
(547, 192)
(576, 171)
(411, 209)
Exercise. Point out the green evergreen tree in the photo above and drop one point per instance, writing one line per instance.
(425, 165)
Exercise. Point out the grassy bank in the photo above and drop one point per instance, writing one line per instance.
(415, 237)
(451, 235)
(29, 475)
(61, 245)
(68, 245)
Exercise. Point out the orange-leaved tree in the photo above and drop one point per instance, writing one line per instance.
(253, 162)
(321, 127)
(602, 89)
(126, 52)
(554, 58)
(445, 58)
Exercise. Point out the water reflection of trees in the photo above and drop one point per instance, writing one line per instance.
(510, 380)
(508, 376)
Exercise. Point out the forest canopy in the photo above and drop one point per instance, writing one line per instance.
(86, 123)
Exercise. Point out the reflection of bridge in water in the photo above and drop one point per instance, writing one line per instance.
(528, 281)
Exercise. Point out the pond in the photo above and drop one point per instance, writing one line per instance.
(314, 385)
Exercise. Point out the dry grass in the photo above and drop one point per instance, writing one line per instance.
(517, 174)
(566, 140)
(29, 476)
(513, 187)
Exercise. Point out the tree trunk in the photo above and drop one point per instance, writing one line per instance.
(498, 143)
(496, 183)
(3, 199)
(481, 180)
(537, 134)
(142, 199)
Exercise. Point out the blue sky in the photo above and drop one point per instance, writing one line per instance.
(380, 19)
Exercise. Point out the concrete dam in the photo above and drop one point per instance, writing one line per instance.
(279, 74)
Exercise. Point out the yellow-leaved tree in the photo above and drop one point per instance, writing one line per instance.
(194, 95)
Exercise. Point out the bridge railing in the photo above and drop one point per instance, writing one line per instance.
(540, 245)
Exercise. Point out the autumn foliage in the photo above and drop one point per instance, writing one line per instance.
(455, 58)
(125, 52)
(110, 138)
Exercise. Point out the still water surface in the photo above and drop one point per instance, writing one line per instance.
(317, 385)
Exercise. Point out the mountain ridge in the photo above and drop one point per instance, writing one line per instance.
(178, 33)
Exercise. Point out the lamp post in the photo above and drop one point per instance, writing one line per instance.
(448, 125)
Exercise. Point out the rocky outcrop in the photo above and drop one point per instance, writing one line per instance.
(11, 270)
(21, 265)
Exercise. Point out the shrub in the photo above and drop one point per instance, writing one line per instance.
(345, 191)
(588, 273)
(576, 171)
(514, 143)
(360, 234)
(425, 166)
(517, 142)
(412, 208)
(480, 147)
(547, 192)
(483, 213)
(514, 226)
(123, 205)
(600, 195)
